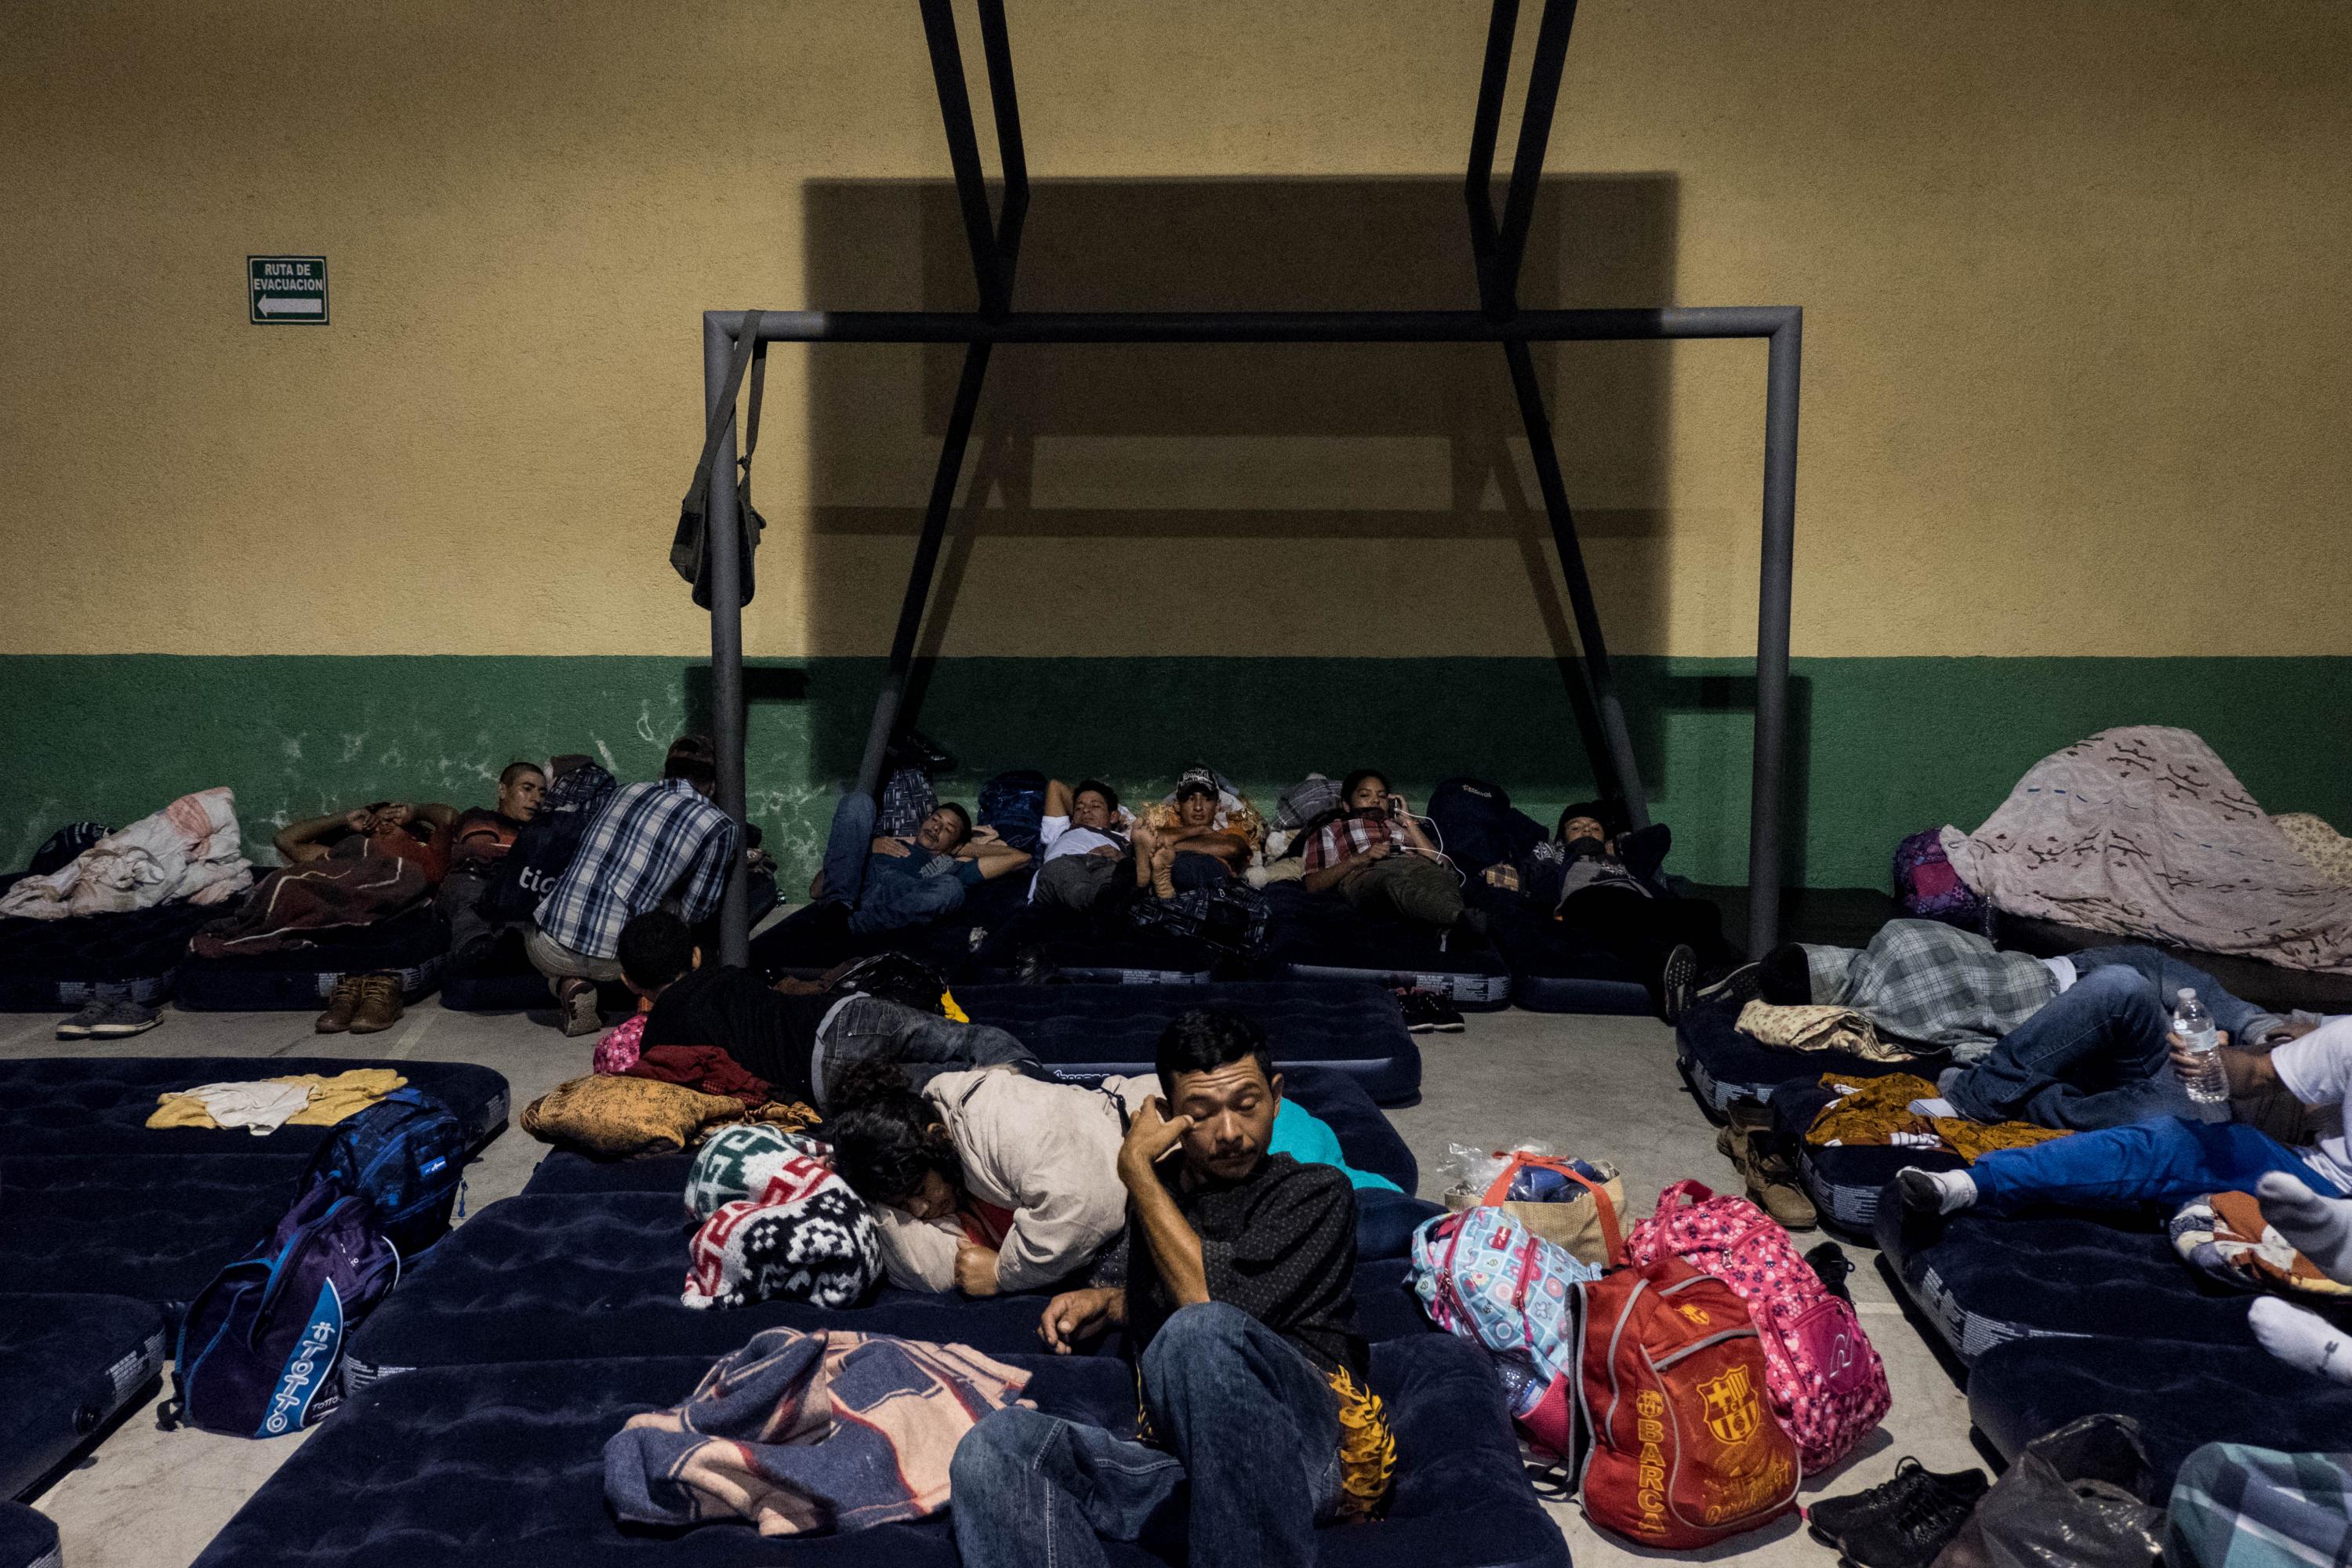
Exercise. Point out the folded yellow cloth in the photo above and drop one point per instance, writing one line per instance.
(331, 1098)
(1877, 1110)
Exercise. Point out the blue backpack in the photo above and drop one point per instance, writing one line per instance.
(261, 1351)
(405, 1155)
(1014, 805)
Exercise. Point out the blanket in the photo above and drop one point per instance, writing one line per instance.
(805, 1238)
(1817, 1026)
(188, 850)
(1876, 1111)
(261, 1106)
(801, 1433)
(704, 1068)
(296, 901)
(2144, 832)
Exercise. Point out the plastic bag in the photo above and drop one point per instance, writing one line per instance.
(2081, 1497)
(1473, 1170)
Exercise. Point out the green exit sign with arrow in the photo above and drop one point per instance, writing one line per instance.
(283, 288)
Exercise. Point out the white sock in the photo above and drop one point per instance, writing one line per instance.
(2302, 1338)
(1946, 1191)
(2320, 1228)
(1932, 1108)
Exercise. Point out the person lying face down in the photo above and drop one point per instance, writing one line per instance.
(1240, 1295)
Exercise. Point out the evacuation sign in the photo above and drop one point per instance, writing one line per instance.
(283, 288)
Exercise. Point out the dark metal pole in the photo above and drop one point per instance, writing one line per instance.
(1502, 26)
(1781, 378)
(1626, 787)
(963, 153)
(997, 47)
(723, 540)
(927, 559)
(1535, 138)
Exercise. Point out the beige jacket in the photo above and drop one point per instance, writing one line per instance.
(1047, 1152)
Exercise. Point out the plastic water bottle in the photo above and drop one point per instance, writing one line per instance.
(2207, 1084)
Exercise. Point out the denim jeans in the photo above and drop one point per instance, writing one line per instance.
(888, 902)
(2165, 1161)
(1247, 1420)
(924, 1043)
(2094, 1056)
(2167, 975)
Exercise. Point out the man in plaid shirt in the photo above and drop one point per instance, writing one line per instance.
(2079, 1042)
(1371, 852)
(653, 844)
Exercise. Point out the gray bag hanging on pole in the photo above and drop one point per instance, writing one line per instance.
(690, 553)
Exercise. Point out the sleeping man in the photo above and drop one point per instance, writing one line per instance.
(871, 884)
(1080, 845)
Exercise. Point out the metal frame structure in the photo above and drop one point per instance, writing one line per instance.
(1500, 246)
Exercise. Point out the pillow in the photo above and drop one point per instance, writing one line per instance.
(2224, 1237)
(610, 1117)
(743, 1161)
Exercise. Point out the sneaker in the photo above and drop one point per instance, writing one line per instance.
(380, 1005)
(1736, 989)
(1833, 1520)
(80, 1026)
(1918, 1525)
(1676, 985)
(123, 1019)
(1425, 1013)
(577, 1007)
(1753, 1146)
(341, 1002)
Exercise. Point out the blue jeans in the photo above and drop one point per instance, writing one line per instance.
(1247, 1420)
(877, 903)
(2094, 1056)
(924, 1044)
(2165, 1161)
(2165, 976)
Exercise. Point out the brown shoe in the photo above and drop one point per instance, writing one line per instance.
(380, 1005)
(341, 1002)
(1750, 1143)
(576, 1010)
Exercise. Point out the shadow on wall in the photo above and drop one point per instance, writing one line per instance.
(1245, 475)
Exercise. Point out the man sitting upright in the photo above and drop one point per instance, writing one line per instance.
(653, 844)
(477, 842)
(1240, 1293)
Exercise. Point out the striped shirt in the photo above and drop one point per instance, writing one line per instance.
(649, 841)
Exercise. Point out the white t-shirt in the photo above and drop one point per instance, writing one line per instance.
(1057, 837)
(2318, 1070)
(2064, 968)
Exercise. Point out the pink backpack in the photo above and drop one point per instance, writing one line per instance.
(1826, 1386)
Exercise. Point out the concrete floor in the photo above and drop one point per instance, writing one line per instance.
(1602, 1087)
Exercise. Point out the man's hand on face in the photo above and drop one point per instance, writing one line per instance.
(1077, 1315)
(358, 820)
(399, 813)
(1149, 1136)
(897, 849)
(975, 1269)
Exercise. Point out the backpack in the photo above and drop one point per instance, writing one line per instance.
(405, 1155)
(1014, 805)
(1826, 1384)
(1230, 917)
(1679, 1448)
(261, 1351)
(1483, 1276)
(1928, 888)
(1477, 827)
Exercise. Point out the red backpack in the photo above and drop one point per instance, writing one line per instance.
(1682, 1452)
(1826, 1384)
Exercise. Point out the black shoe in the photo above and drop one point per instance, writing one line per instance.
(1674, 991)
(1831, 1265)
(1427, 1012)
(1736, 989)
(1905, 1523)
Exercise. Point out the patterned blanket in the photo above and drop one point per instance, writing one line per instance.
(2144, 832)
(802, 1433)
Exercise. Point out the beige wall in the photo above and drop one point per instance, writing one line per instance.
(2076, 276)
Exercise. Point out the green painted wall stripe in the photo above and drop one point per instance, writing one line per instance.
(1882, 746)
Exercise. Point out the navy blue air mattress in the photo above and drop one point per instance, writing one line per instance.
(155, 1227)
(1553, 972)
(1367, 1140)
(62, 965)
(28, 1538)
(414, 947)
(2182, 1395)
(1984, 1281)
(557, 1278)
(808, 941)
(1845, 1183)
(68, 1365)
(1324, 937)
(1723, 1065)
(1353, 1025)
(485, 1467)
(100, 1105)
